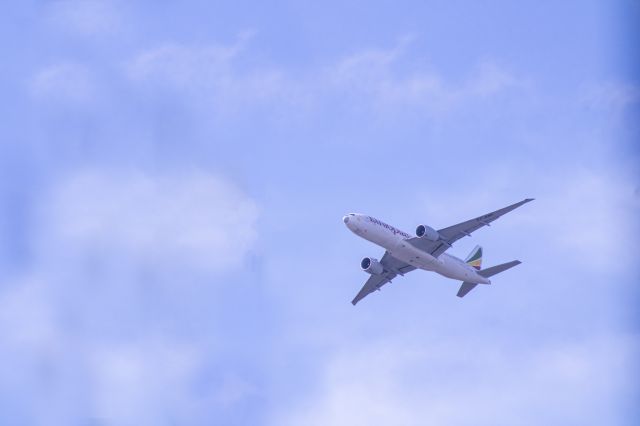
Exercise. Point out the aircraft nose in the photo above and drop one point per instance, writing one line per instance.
(345, 219)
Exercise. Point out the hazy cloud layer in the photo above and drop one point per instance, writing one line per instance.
(375, 76)
(191, 219)
(439, 381)
(90, 18)
(372, 78)
(65, 83)
(172, 190)
(73, 326)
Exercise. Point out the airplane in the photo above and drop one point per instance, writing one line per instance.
(426, 251)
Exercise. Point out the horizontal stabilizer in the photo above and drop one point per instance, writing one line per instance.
(489, 272)
(465, 288)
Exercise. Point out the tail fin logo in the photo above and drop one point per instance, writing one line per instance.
(475, 258)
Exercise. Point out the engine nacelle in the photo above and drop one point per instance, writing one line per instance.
(372, 266)
(424, 231)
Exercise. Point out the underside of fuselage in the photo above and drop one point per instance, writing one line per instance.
(445, 265)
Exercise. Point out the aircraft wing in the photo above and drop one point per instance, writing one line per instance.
(392, 268)
(453, 233)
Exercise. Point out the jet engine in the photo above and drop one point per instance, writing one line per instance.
(371, 266)
(424, 231)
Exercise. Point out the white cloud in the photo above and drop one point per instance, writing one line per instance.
(144, 382)
(233, 390)
(69, 378)
(87, 17)
(372, 77)
(371, 74)
(376, 76)
(489, 79)
(586, 216)
(478, 382)
(27, 318)
(593, 216)
(195, 219)
(184, 66)
(611, 96)
(66, 82)
(212, 74)
(77, 350)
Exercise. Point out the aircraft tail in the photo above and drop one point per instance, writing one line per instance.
(489, 272)
(475, 258)
(466, 287)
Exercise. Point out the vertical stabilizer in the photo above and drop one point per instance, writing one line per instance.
(475, 258)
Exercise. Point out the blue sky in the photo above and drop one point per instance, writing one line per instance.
(173, 177)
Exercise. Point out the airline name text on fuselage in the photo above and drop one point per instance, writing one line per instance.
(389, 227)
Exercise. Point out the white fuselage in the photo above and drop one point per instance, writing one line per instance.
(395, 242)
